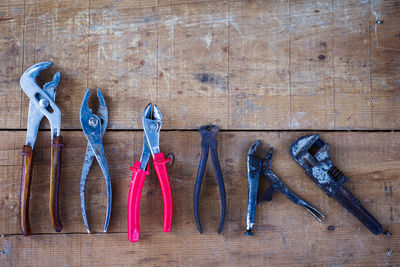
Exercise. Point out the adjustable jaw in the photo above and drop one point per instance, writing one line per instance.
(41, 101)
(311, 153)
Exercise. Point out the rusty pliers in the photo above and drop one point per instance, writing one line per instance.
(94, 126)
(41, 104)
(255, 166)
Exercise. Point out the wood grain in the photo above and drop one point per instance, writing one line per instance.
(239, 64)
(281, 227)
(258, 69)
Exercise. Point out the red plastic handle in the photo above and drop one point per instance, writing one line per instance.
(135, 192)
(160, 163)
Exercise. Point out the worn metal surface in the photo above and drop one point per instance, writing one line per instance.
(94, 127)
(209, 143)
(255, 166)
(313, 155)
(152, 122)
(41, 102)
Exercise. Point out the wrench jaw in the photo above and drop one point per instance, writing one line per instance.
(299, 150)
(311, 153)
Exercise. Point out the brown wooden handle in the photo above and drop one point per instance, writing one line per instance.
(26, 177)
(55, 182)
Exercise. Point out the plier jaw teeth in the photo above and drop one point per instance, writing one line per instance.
(152, 121)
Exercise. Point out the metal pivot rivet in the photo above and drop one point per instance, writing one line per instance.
(44, 103)
(93, 122)
(153, 126)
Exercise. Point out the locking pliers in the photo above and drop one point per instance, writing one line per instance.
(209, 142)
(255, 166)
(41, 104)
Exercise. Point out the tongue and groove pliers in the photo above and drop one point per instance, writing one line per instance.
(41, 104)
(209, 143)
(94, 126)
(151, 120)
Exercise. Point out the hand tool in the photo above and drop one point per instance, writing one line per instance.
(94, 126)
(311, 153)
(41, 104)
(209, 143)
(151, 121)
(255, 166)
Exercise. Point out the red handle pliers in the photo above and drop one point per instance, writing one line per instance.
(151, 125)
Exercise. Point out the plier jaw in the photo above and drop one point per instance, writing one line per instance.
(41, 101)
(152, 121)
(94, 127)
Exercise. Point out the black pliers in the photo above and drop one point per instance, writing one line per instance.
(255, 166)
(209, 142)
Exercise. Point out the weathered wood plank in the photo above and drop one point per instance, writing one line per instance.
(253, 65)
(351, 67)
(385, 64)
(259, 65)
(11, 56)
(281, 227)
(193, 64)
(58, 32)
(311, 51)
(275, 248)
